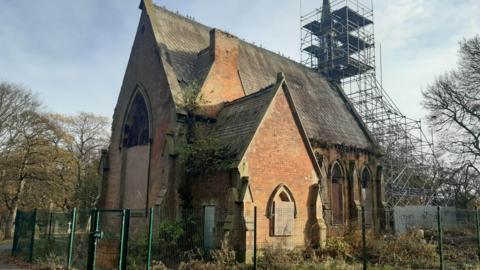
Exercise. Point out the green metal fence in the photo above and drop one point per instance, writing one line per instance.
(138, 239)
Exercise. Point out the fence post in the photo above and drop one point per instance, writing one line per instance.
(255, 238)
(122, 261)
(50, 218)
(440, 236)
(364, 240)
(32, 239)
(92, 244)
(72, 238)
(478, 231)
(150, 237)
(15, 233)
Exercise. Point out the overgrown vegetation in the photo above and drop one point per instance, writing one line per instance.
(201, 154)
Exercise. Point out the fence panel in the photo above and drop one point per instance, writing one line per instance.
(43, 235)
(412, 243)
(52, 233)
(109, 245)
(24, 229)
(137, 251)
(175, 240)
(81, 239)
(459, 238)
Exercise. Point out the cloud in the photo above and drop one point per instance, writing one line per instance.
(419, 41)
(75, 55)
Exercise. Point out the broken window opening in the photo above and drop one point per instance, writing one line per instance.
(136, 130)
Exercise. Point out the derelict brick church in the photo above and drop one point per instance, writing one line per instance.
(300, 152)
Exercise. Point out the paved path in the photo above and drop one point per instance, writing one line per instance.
(4, 251)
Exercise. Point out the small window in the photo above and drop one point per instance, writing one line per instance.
(319, 157)
(337, 174)
(282, 212)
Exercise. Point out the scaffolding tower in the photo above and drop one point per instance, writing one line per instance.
(337, 40)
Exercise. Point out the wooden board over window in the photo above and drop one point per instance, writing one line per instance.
(284, 218)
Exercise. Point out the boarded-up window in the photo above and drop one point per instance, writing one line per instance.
(283, 218)
(282, 212)
(337, 195)
(367, 200)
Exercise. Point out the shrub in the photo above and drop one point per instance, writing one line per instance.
(279, 258)
(407, 250)
(225, 256)
(52, 262)
(336, 248)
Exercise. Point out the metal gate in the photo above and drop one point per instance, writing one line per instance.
(108, 239)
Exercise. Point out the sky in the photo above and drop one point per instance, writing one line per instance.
(74, 56)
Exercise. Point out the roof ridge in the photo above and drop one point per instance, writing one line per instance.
(177, 14)
(239, 39)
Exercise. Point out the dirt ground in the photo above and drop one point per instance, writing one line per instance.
(5, 263)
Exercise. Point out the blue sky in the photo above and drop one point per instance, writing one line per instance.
(74, 55)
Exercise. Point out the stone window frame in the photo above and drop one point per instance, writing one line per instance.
(341, 182)
(367, 185)
(139, 91)
(281, 194)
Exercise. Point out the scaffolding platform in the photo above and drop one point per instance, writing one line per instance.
(354, 19)
(338, 42)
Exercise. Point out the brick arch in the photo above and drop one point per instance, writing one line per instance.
(282, 211)
(276, 194)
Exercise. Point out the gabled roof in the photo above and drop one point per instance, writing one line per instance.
(239, 120)
(323, 109)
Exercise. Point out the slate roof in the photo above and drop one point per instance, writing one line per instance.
(238, 120)
(324, 110)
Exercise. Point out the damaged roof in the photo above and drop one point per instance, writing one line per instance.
(325, 112)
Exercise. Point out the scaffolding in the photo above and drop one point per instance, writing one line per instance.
(337, 40)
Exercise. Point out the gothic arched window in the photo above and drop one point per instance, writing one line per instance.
(282, 211)
(337, 195)
(136, 130)
(367, 200)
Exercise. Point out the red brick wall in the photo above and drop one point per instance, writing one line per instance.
(144, 69)
(277, 155)
(223, 82)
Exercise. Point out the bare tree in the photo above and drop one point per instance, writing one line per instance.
(88, 134)
(27, 154)
(453, 103)
(46, 160)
